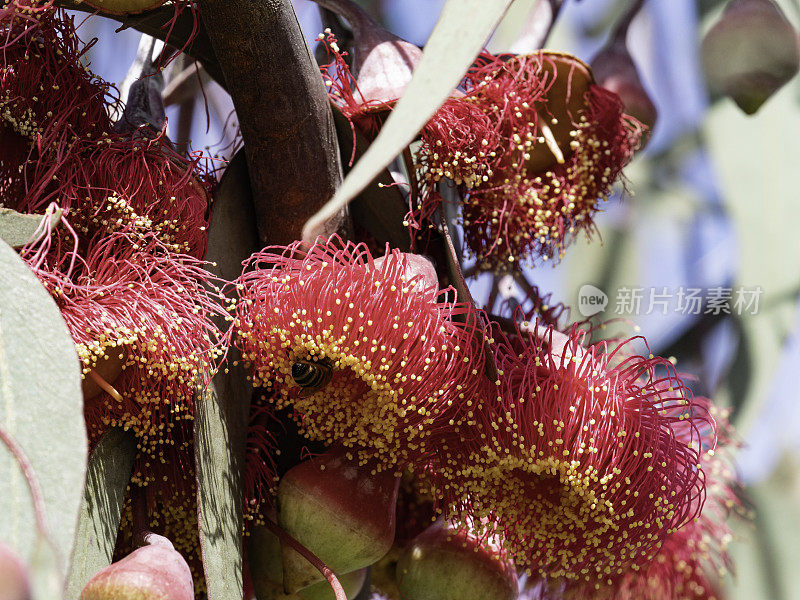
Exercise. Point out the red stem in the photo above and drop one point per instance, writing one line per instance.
(30, 477)
(338, 591)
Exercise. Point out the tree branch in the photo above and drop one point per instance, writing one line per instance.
(283, 109)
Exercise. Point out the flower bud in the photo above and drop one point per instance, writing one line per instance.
(155, 571)
(14, 582)
(443, 563)
(751, 52)
(341, 511)
(615, 70)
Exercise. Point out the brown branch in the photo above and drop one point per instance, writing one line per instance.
(155, 23)
(287, 539)
(283, 109)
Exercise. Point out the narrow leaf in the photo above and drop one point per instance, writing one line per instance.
(380, 208)
(41, 407)
(107, 478)
(456, 40)
(17, 229)
(222, 409)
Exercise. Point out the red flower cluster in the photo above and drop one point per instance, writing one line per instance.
(127, 277)
(586, 467)
(58, 144)
(157, 354)
(531, 141)
(368, 353)
(544, 146)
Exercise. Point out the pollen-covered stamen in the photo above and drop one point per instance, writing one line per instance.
(590, 461)
(46, 92)
(693, 559)
(401, 365)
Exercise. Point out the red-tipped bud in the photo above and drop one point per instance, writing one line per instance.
(382, 62)
(751, 52)
(340, 511)
(156, 572)
(14, 582)
(615, 70)
(443, 563)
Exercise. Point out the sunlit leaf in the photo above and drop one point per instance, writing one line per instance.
(222, 409)
(456, 40)
(41, 407)
(106, 480)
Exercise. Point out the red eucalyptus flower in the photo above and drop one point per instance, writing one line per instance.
(46, 93)
(694, 558)
(57, 144)
(534, 145)
(590, 463)
(164, 348)
(140, 186)
(369, 353)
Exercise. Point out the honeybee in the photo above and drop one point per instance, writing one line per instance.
(311, 376)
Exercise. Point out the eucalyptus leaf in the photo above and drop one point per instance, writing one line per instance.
(41, 407)
(17, 229)
(222, 408)
(757, 177)
(456, 40)
(107, 478)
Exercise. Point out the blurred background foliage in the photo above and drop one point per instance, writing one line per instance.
(710, 203)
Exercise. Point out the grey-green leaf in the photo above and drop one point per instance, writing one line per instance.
(17, 229)
(456, 40)
(757, 177)
(222, 409)
(41, 407)
(108, 476)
